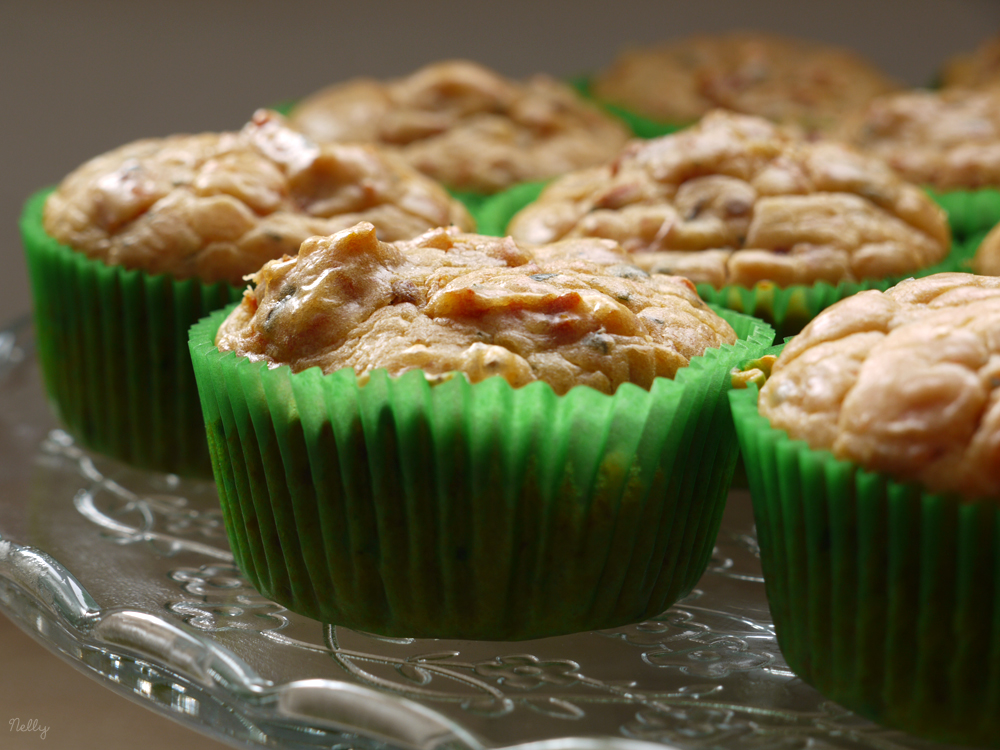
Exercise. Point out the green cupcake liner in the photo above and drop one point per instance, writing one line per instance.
(885, 598)
(970, 212)
(473, 203)
(469, 511)
(787, 309)
(112, 348)
(495, 213)
(641, 127)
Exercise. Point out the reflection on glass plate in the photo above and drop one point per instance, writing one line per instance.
(129, 575)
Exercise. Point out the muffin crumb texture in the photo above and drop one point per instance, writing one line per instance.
(450, 302)
(467, 126)
(218, 205)
(786, 80)
(905, 382)
(739, 200)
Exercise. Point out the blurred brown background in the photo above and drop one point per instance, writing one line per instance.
(80, 78)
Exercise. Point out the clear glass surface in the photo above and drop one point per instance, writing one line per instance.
(129, 576)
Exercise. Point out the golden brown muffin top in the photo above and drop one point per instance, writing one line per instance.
(216, 206)
(737, 200)
(467, 126)
(949, 139)
(905, 382)
(784, 80)
(979, 68)
(450, 302)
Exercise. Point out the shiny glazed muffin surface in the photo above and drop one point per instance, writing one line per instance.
(450, 302)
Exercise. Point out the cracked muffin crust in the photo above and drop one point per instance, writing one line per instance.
(467, 126)
(218, 205)
(905, 382)
(448, 301)
(739, 200)
(948, 139)
(785, 80)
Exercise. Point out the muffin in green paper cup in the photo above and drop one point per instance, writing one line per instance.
(762, 220)
(470, 128)
(459, 436)
(872, 458)
(659, 88)
(137, 244)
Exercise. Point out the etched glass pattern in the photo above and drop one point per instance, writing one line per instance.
(129, 574)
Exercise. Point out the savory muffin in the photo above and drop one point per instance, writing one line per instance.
(737, 200)
(791, 81)
(216, 206)
(466, 126)
(450, 302)
(452, 436)
(139, 243)
(947, 139)
(873, 460)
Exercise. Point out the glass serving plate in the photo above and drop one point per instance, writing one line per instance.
(129, 576)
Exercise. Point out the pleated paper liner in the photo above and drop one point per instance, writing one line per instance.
(885, 598)
(469, 511)
(970, 212)
(112, 348)
(787, 309)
